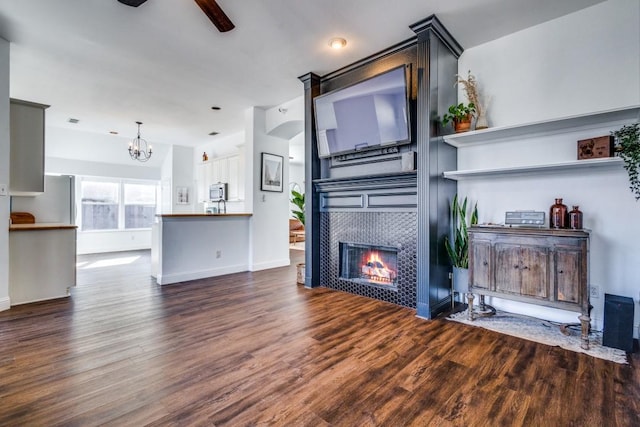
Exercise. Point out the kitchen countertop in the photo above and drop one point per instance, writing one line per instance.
(195, 215)
(41, 226)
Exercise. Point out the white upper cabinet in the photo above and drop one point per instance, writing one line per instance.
(223, 169)
(27, 148)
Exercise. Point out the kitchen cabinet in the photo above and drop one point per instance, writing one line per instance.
(547, 267)
(42, 261)
(223, 169)
(27, 148)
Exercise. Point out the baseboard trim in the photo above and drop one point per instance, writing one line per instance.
(271, 264)
(5, 303)
(166, 279)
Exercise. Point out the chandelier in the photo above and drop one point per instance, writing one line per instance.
(139, 149)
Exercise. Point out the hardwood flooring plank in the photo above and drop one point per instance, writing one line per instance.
(257, 349)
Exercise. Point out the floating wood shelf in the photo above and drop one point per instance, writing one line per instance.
(610, 163)
(547, 127)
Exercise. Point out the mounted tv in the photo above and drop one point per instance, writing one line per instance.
(368, 115)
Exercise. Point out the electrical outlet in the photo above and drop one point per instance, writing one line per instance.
(594, 291)
(3, 189)
(218, 254)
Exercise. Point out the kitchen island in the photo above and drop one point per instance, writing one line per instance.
(195, 246)
(42, 261)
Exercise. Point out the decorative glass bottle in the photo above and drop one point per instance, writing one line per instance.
(575, 218)
(558, 215)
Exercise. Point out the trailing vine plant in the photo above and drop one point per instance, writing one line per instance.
(627, 142)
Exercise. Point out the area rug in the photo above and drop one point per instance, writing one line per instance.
(544, 332)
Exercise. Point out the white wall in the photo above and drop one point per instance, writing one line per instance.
(584, 62)
(182, 175)
(296, 164)
(4, 174)
(93, 242)
(82, 146)
(221, 147)
(56, 165)
(269, 223)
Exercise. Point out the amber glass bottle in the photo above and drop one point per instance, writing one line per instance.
(575, 218)
(558, 217)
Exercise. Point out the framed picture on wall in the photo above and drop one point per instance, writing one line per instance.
(271, 172)
(182, 195)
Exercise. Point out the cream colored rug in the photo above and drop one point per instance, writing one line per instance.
(544, 332)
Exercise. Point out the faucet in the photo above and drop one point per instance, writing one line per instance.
(224, 204)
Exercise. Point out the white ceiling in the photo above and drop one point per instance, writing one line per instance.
(165, 64)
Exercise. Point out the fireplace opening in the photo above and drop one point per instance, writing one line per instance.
(370, 264)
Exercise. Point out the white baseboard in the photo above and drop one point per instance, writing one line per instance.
(165, 279)
(5, 303)
(271, 264)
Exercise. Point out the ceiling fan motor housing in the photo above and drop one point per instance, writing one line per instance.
(134, 3)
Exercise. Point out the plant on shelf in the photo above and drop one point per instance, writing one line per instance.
(470, 87)
(627, 144)
(460, 115)
(297, 199)
(457, 244)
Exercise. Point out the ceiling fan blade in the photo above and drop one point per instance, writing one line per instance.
(216, 15)
(134, 3)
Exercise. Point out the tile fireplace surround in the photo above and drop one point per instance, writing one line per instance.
(376, 211)
(391, 229)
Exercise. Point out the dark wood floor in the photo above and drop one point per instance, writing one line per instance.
(255, 349)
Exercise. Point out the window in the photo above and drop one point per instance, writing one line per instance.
(116, 204)
(100, 202)
(139, 205)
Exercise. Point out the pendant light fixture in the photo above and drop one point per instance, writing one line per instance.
(139, 149)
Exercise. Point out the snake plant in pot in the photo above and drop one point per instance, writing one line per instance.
(457, 245)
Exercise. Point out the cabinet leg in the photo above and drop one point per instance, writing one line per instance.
(484, 309)
(585, 322)
(470, 302)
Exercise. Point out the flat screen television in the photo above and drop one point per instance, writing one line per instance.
(370, 114)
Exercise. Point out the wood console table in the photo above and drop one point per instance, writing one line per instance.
(547, 267)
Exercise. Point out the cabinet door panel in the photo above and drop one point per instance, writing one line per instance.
(568, 274)
(233, 178)
(534, 264)
(480, 264)
(508, 274)
(27, 151)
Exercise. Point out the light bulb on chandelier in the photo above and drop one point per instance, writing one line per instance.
(139, 149)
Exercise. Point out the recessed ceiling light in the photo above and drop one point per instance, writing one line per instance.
(72, 120)
(337, 42)
(216, 108)
(213, 133)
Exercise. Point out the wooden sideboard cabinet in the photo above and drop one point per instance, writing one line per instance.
(547, 267)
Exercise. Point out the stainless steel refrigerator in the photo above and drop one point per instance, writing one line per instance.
(55, 205)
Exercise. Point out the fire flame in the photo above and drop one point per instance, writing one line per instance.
(374, 269)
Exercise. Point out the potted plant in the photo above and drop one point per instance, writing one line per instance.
(460, 115)
(457, 245)
(470, 87)
(297, 199)
(627, 145)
